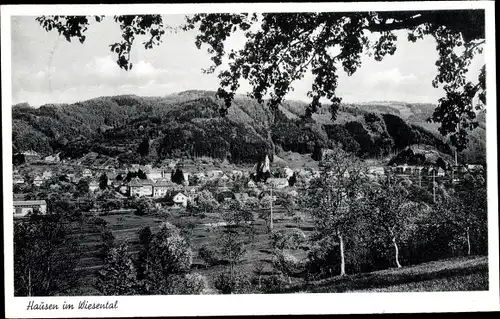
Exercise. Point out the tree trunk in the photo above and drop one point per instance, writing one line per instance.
(396, 249)
(29, 282)
(342, 257)
(271, 217)
(468, 241)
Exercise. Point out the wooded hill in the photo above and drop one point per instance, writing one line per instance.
(188, 124)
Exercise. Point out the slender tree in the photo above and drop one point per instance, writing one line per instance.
(390, 212)
(331, 197)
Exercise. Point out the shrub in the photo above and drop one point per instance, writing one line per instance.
(323, 260)
(287, 239)
(189, 284)
(285, 263)
(209, 255)
(230, 283)
(273, 284)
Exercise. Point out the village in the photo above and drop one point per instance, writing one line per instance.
(178, 185)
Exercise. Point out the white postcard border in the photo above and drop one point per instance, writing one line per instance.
(208, 305)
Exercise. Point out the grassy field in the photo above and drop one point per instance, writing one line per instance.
(457, 274)
(445, 275)
(198, 231)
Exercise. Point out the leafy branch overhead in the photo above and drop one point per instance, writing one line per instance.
(281, 48)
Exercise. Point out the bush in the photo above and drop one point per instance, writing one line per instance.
(323, 260)
(273, 284)
(209, 255)
(189, 284)
(286, 264)
(287, 238)
(231, 283)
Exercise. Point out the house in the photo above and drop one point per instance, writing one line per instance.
(52, 158)
(87, 173)
(237, 174)
(135, 187)
(376, 170)
(293, 193)
(474, 167)
(31, 156)
(93, 186)
(134, 168)
(241, 197)
(140, 187)
(46, 175)
(224, 196)
(71, 177)
(180, 199)
(440, 172)
(24, 207)
(224, 178)
(162, 186)
(38, 181)
(288, 172)
(147, 187)
(18, 179)
(123, 189)
(251, 184)
(201, 177)
(156, 174)
(213, 174)
(278, 182)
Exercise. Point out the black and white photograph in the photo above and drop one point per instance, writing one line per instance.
(252, 151)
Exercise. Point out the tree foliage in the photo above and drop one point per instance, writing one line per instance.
(332, 199)
(103, 181)
(44, 257)
(281, 48)
(118, 277)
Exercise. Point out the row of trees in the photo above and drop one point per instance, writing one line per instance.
(350, 212)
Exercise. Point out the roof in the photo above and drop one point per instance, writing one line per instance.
(135, 182)
(277, 181)
(164, 182)
(29, 202)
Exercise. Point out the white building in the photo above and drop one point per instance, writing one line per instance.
(46, 175)
(237, 173)
(288, 172)
(157, 174)
(38, 181)
(162, 186)
(52, 158)
(93, 186)
(86, 173)
(213, 174)
(24, 207)
(18, 179)
(278, 182)
(181, 199)
(376, 170)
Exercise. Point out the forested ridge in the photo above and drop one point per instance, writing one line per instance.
(188, 124)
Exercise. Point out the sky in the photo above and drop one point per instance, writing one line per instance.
(48, 69)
